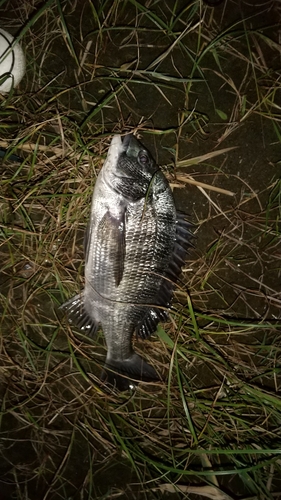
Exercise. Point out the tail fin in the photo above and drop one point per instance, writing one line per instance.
(122, 374)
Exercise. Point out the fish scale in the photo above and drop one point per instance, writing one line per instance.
(138, 278)
(135, 246)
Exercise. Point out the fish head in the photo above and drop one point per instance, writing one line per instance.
(129, 167)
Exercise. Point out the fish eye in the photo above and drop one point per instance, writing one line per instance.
(143, 158)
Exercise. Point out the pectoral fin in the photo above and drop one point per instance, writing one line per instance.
(87, 239)
(111, 233)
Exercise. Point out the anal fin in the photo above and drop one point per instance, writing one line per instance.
(77, 314)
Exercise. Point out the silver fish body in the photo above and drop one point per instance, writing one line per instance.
(135, 246)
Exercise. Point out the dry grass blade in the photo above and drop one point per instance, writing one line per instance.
(188, 180)
(202, 158)
(205, 491)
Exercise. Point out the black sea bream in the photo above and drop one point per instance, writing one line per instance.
(135, 246)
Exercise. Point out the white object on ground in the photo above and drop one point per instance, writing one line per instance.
(12, 62)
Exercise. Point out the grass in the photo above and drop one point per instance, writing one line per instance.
(201, 87)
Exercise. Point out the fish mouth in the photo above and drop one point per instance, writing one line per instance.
(115, 150)
(128, 146)
(126, 140)
(118, 146)
(131, 145)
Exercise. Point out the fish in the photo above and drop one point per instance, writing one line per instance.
(135, 246)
